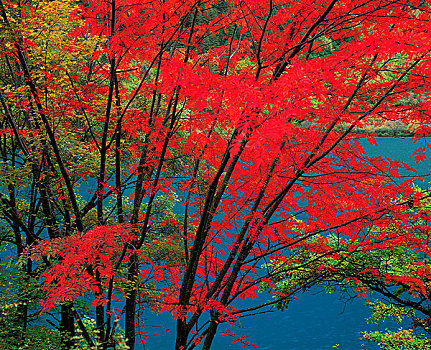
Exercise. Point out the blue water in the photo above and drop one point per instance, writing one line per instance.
(317, 320)
(402, 149)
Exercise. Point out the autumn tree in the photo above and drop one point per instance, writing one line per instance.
(242, 114)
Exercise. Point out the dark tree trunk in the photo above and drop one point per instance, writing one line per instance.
(67, 327)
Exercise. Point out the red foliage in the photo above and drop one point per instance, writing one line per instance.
(79, 258)
(249, 108)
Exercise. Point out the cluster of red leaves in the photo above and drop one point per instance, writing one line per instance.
(75, 261)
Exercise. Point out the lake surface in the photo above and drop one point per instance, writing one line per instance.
(316, 321)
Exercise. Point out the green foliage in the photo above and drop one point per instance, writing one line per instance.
(165, 242)
(19, 296)
(90, 324)
(403, 339)
(380, 311)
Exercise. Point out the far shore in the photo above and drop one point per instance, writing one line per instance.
(389, 129)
